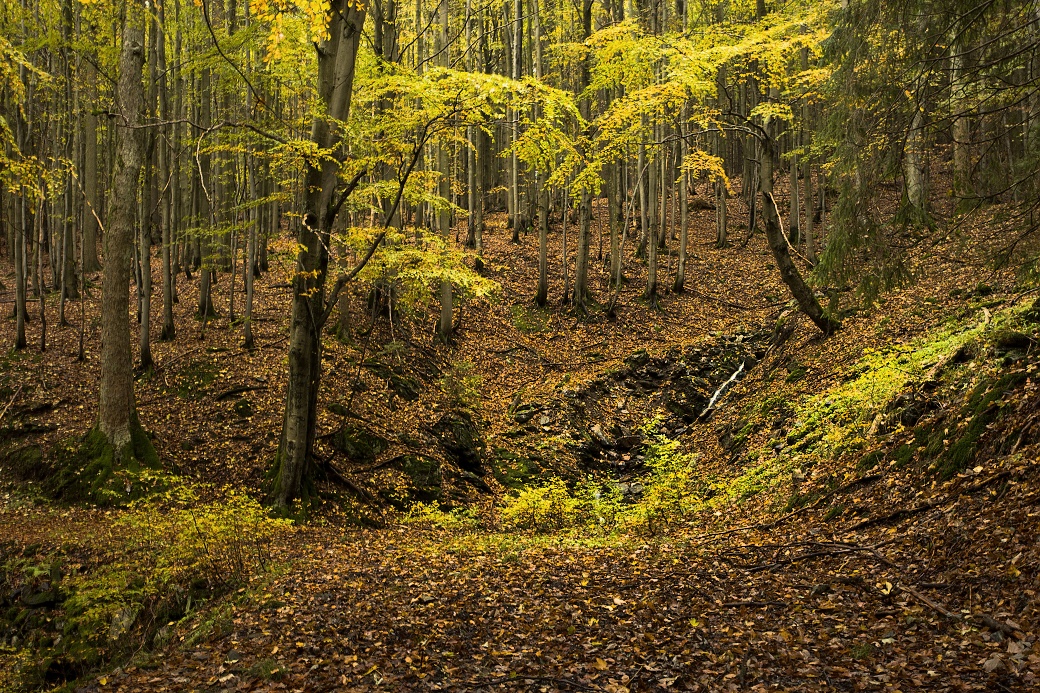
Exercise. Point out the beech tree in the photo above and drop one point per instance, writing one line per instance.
(117, 413)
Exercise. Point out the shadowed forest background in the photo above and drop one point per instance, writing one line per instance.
(521, 345)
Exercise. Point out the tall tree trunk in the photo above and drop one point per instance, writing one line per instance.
(166, 180)
(684, 220)
(617, 217)
(89, 174)
(961, 127)
(916, 199)
(206, 217)
(644, 203)
(810, 240)
(39, 277)
(514, 124)
(336, 59)
(542, 293)
(581, 257)
(444, 223)
(117, 416)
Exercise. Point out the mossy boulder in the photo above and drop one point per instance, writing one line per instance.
(424, 474)
(95, 471)
(359, 445)
(397, 378)
(460, 436)
(513, 470)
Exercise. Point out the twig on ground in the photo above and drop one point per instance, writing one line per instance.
(13, 398)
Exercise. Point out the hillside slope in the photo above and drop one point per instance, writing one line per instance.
(851, 513)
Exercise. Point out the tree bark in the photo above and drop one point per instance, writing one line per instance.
(779, 246)
(116, 410)
(336, 60)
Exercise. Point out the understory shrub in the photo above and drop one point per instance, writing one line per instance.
(160, 558)
(671, 491)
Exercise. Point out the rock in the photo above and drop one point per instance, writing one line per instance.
(48, 597)
(461, 439)
(243, 407)
(637, 359)
(397, 379)
(526, 412)
(627, 442)
(544, 421)
(474, 480)
(600, 437)
(122, 622)
(358, 444)
(513, 470)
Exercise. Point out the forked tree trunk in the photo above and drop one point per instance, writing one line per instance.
(336, 59)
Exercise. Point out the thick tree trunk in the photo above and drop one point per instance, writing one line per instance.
(444, 217)
(336, 59)
(116, 410)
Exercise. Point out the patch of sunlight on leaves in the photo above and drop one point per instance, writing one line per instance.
(673, 490)
(168, 551)
(834, 423)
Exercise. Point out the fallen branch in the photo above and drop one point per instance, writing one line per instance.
(903, 513)
(870, 478)
(559, 681)
(238, 390)
(13, 398)
(336, 476)
(831, 549)
(979, 619)
(755, 604)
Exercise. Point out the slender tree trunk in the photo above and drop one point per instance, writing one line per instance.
(617, 217)
(20, 273)
(542, 293)
(779, 246)
(566, 260)
(166, 180)
(206, 216)
(644, 218)
(89, 174)
(39, 277)
(684, 227)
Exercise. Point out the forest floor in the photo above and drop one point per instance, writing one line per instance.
(842, 546)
